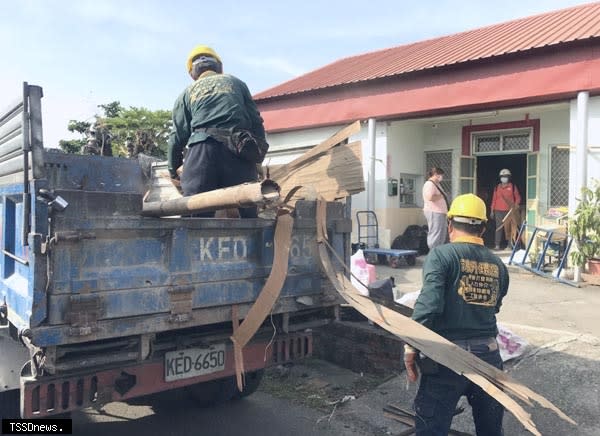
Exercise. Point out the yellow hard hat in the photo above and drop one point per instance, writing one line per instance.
(201, 50)
(470, 208)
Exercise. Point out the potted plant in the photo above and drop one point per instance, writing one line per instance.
(584, 226)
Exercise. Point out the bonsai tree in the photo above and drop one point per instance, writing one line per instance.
(584, 226)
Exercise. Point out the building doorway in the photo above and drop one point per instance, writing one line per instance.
(488, 167)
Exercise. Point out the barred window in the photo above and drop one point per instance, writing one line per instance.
(559, 176)
(443, 160)
(516, 142)
(502, 141)
(488, 143)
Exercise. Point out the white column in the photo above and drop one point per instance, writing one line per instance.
(581, 146)
(372, 158)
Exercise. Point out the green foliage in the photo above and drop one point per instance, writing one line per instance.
(112, 109)
(122, 132)
(71, 145)
(78, 126)
(585, 225)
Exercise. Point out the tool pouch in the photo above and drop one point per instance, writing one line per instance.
(247, 146)
(240, 142)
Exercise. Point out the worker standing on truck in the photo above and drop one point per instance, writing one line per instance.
(219, 123)
(463, 286)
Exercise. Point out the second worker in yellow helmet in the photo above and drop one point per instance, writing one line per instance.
(463, 286)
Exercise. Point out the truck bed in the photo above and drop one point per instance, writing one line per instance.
(99, 270)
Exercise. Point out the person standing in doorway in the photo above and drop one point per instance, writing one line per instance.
(506, 199)
(435, 208)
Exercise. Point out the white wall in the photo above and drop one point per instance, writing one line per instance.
(404, 143)
(445, 136)
(299, 138)
(593, 151)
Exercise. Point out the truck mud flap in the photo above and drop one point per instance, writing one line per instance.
(51, 395)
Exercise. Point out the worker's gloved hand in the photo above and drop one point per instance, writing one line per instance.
(410, 362)
(176, 182)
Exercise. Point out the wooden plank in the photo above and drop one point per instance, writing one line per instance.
(335, 174)
(323, 147)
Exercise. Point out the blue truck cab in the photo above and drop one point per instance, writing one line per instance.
(101, 304)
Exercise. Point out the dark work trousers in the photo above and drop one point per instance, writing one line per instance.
(499, 236)
(440, 391)
(210, 165)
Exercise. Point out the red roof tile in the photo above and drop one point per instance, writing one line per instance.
(552, 28)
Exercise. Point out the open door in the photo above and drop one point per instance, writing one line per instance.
(532, 202)
(468, 170)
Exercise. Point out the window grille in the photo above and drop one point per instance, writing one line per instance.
(559, 176)
(443, 160)
(502, 141)
(488, 143)
(516, 142)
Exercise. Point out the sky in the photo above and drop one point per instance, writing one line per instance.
(85, 53)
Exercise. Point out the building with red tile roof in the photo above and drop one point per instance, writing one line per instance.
(523, 95)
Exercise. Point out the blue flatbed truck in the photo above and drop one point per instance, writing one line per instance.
(100, 304)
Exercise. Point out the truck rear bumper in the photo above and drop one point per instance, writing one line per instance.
(50, 395)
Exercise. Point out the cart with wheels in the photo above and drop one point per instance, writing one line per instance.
(367, 220)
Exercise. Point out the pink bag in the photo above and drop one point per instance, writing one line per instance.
(363, 271)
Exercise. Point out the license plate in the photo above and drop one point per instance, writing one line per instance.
(192, 362)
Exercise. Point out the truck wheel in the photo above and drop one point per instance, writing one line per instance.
(394, 261)
(411, 260)
(9, 404)
(371, 259)
(253, 380)
(214, 392)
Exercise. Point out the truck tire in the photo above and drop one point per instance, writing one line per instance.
(9, 404)
(253, 380)
(215, 392)
(212, 393)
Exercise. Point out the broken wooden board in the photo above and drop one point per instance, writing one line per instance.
(267, 297)
(282, 172)
(495, 382)
(333, 175)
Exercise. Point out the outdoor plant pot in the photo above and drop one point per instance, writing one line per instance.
(594, 267)
(584, 226)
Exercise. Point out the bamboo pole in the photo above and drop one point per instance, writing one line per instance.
(245, 195)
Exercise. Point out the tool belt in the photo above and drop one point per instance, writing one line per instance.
(477, 344)
(428, 366)
(240, 142)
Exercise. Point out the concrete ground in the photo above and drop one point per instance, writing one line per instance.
(562, 361)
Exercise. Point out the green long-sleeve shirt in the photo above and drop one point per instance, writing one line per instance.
(463, 287)
(212, 101)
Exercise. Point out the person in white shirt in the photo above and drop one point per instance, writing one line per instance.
(435, 208)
